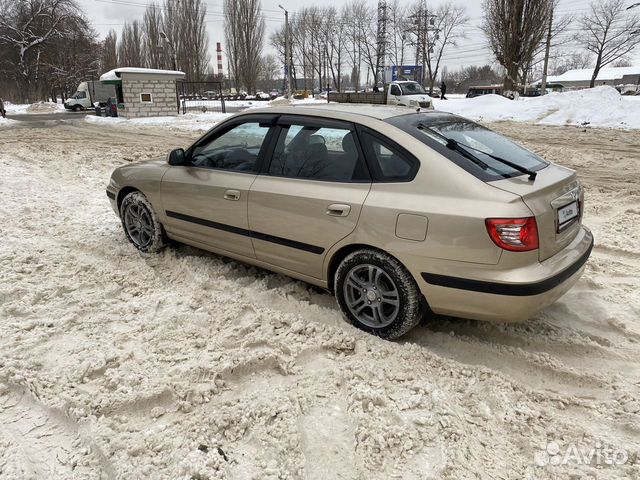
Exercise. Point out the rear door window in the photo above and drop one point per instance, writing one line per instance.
(318, 153)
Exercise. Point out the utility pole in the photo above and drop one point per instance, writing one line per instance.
(543, 88)
(287, 52)
(424, 25)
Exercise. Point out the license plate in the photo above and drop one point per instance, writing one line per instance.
(567, 213)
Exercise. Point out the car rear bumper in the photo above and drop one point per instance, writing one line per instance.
(508, 295)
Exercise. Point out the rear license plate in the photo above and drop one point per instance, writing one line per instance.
(567, 214)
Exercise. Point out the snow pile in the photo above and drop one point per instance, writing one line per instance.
(38, 107)
(5, 122)
(42, 107)
(597, 107)
(190, 121)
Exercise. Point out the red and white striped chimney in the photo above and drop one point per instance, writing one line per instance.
(219, 54)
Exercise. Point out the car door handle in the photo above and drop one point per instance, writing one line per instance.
(338, 210)
(233, 195)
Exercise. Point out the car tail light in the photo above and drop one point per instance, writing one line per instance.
(514, 234)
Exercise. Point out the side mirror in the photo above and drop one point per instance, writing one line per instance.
(176, 157)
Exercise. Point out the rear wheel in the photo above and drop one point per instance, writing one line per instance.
(377, 294)
(141, 224)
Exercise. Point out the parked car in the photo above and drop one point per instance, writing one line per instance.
(401, 93)
(397, 213)
(484, 90)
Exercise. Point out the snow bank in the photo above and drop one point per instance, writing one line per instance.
(190, 121)
(44, 107)
(5, 122)
(598, 107)
(38, 107)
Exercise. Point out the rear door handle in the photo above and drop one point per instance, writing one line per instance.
(233, 195)
(338, 210)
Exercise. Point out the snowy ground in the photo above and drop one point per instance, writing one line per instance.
(186, 365)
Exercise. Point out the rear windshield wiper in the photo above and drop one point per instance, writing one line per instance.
(453, 145)
(464, 150)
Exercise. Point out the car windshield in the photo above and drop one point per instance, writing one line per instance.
(480, 142)
(412, 88)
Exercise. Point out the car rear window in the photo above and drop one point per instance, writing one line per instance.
(482, 143)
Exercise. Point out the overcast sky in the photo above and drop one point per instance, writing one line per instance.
(108, 14)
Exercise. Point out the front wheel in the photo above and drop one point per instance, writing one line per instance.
(141, 224)
(377, 294)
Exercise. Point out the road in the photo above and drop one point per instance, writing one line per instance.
(39, 117)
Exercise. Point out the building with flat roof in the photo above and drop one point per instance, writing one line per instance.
(144, 92)
(581, 78)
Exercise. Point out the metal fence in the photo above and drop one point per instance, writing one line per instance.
(200, 97)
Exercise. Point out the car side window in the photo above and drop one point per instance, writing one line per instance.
(395, 90)
(388, 162)
(318, 153)
(236, 149)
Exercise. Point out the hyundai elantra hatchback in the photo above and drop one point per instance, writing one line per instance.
(398, 213)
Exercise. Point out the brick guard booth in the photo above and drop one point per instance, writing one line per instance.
(144, 92)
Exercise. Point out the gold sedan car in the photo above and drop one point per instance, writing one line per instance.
(398, 213)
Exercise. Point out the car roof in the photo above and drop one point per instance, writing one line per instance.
(329, 110)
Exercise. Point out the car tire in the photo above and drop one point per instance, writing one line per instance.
(367, 284)
(141, 224)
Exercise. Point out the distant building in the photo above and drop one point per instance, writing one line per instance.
(620, 77)
(144, 92)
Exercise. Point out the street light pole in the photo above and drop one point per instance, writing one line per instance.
(172, 51)
(287, 51)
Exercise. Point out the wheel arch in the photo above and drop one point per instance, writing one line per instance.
(341, 254)
(124, 191)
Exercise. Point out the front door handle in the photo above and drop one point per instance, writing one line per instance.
(338, 210)
(233, 195)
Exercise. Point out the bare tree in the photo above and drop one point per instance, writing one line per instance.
(570, 61)
(515, 29)
(193, 40)
(152, 26)
(130, 52)
(109, 53)
(447, 30)
(609, 32)
(26, 27)
(244, 32)
(398, 35)
(556, 26)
